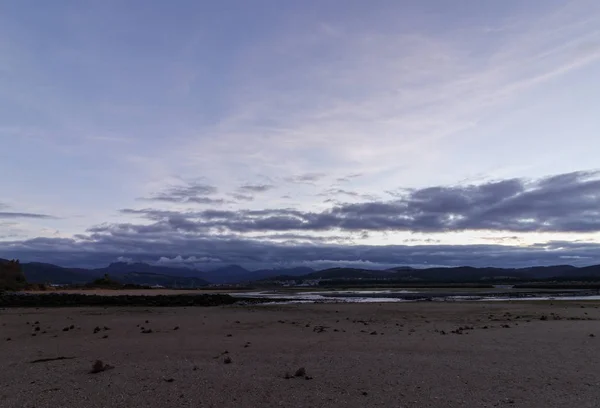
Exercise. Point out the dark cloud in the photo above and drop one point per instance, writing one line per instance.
(256, 188)
(150, 245)
(565, 203)
(195, 193)
(307, 178)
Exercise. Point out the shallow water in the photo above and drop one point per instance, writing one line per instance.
(381, 296)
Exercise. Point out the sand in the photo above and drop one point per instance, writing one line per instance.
(355, 355)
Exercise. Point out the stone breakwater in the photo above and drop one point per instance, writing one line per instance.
(65, 300)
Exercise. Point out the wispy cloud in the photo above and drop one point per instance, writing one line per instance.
(256, 188)
(375, 98)
(193, 193)
(340, 191)
(307, 178)
(10, 215)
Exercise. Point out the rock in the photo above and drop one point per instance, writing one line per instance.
(99, 367)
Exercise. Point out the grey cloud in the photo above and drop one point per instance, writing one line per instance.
(256, 188)
(242, 197)
(207, 200)
(565, 203)
(348, 178)
(307, 178)
(196, 193)
(100, 249)
(11, 215)
(340, 191)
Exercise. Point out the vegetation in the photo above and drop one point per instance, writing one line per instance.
(105, 282)
(11, 276)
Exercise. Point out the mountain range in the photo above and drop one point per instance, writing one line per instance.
(145, 274)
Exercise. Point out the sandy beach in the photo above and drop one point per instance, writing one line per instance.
(497, 354)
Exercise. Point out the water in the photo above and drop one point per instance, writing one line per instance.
(380, 296)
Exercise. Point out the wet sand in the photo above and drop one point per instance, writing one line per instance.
(521, 354)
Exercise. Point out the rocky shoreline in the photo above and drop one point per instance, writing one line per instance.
(15, 299)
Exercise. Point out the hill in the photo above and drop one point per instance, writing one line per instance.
(145, 274)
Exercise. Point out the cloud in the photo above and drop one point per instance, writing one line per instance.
(194, 193)
(382, 96)
(348, 177)
(306, 178)
(287, 236)
(101, 249)
(11, 215)
(340, 191)
(256, 188)
(16, 214)
(179, 260)
(242, 197)
(562, 203)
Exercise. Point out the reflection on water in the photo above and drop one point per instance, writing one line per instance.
(371, 296)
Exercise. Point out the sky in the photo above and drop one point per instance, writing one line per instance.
(318, 133)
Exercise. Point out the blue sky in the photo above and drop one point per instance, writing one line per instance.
(119, 115)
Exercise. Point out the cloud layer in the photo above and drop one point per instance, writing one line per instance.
(562, 203)
(568, 203)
